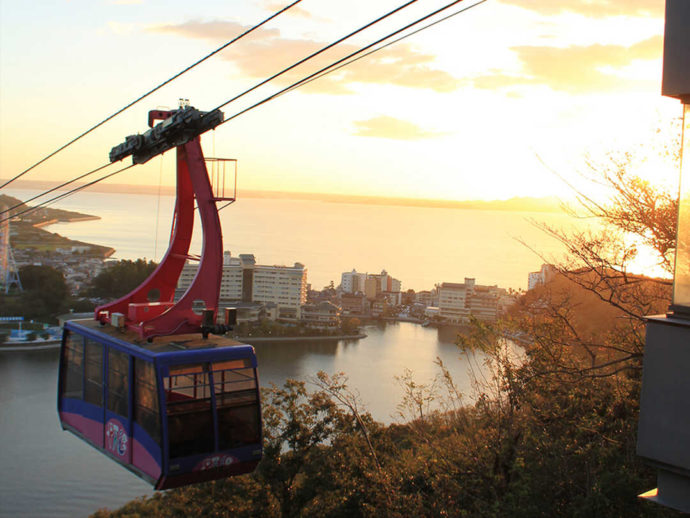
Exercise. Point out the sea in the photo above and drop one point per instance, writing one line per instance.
(47, 472)
(420, 246)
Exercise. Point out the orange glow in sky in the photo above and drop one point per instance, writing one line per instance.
(456, 112)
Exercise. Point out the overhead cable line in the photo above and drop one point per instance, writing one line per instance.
(316, 75)
(158, 87)
(305, 80)
(397, 40)
(66, 194)
(81, 177)
(314, 54)
(303, 60)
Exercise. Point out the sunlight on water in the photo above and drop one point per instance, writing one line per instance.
(419, 246)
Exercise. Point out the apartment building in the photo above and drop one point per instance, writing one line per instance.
(458, 302)
(352, 282)
(544, 275)
(371, 284)
(245, 281)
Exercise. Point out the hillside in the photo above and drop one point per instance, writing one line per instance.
(26, 232)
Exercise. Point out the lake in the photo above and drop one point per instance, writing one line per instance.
(49, 472)
(419, 246)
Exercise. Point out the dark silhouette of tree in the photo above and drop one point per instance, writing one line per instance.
(120, 278)
(45, 294)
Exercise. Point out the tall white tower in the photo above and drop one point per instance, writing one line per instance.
(9, 276)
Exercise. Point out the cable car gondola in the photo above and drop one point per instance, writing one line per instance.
(151, 382)
(180, 410)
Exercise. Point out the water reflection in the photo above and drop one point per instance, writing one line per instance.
(372, 364)
(448, 334)
(279, 361)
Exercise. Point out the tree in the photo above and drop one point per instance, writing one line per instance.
(44, 281)
(120, 278)
(351, 325)
(565, 414)
(596, 274)
(44, 295)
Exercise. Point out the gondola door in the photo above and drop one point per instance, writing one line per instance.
(93, 410)
(117, 433)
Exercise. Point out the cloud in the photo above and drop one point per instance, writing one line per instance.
(392, 128)
(403, 66)
(216, 31)
(121, 28)
(593, 8)
(575, 69)
(271, 5)
(126, 2)
(266, 52)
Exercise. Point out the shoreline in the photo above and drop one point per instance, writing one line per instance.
(42, 345)
(264, 339)
(75, 219)
(55, 344)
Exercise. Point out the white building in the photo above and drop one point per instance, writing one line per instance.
(352, 282)
(458, 302)
(370, 283)
(245, 281)
(544, 275)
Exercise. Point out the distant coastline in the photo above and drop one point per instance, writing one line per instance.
(314, 338)
(74, 219)
(29, 233)
(518, 204)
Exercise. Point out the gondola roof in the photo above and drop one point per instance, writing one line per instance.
(160, 344)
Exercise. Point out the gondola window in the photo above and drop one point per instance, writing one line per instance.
(73, 367)
(93, 383)
(118, 382)
(190, 418)
(146, 411)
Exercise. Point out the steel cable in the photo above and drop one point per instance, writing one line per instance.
(154, 89)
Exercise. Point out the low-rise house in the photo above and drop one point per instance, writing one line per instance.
(379, 307)
(354, 304)
(324, 314)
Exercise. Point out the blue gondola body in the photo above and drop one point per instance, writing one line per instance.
(180, 410)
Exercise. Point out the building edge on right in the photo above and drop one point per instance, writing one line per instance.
(663, 439)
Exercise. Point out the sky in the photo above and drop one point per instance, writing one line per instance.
(486, 105)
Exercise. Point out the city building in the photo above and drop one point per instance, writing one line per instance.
(371, 284)
(423, 297)
(245, 281)
(324, 314)
(354, 304)
(379, 307)
(543, 276)
(458, 302)
(394, 298)
(352, 282)
(371, 288)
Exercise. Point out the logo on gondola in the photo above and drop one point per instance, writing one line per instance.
(214, 462)
(115, 438)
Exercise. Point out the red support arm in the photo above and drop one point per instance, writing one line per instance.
(154, 313)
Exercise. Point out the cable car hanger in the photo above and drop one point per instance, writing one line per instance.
(149, 309)
(183, 408)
